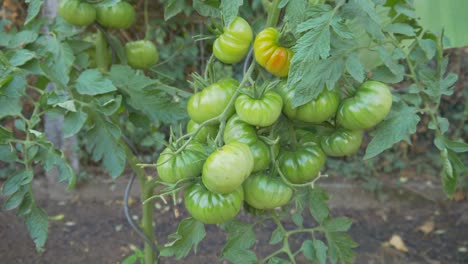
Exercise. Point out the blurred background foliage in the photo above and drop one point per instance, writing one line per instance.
(180, 55)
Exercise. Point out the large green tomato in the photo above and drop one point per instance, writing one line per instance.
(121, 15)
(141, 54)
(212, 208)
(238, 130)
(266, 192)
(76, 12)
(261, 155)
(204, 133)
(227, 168)
(212, 100)
(187, 164)
(316, 111)
(302, 164)
(368, 107)
(232, 46)
(342, 142)
(275, 59)
(305, 136)
(261, 112)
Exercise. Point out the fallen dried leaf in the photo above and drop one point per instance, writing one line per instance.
(459, 196)
(397, 242)
(427, 227)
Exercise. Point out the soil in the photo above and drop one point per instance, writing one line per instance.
(94, 228)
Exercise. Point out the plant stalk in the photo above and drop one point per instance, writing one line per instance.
(273, 14)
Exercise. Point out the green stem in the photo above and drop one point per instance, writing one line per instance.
(102, 61)
(146, 193)
(273, 13)
(146, 17)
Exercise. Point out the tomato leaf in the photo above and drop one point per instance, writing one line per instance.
(340, 246)
(207, 8)
(276, 237)
(189, 233)
(308, 251)
(229, 10)
(339, 224)
(295, 12)
(103, 142)
(399, 124)
(317, 204)
(320, 251)
(10, 96)
(239, 241)
(73, 122)
(92, 82)
(37, 223)
(34, 6)
(355, 68)
(55, 158)
(172, 8)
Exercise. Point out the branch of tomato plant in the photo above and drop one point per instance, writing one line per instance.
(273, 13)
(146, 18)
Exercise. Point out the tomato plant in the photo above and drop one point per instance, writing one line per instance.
(232, 46)
(341, 72)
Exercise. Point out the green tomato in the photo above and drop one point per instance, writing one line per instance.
(316, 111)
(76, 12)
(227, 168)
(342, 142)
(141, 54)
(302, 164)
(212, 100)
(261, 112)
(261, 155)
(187, 164)
(212, 208)
(204, 133)
(232, 46)
(266, 192)
(368, 107)
(121, 15)
(238, 130)
(304, 137)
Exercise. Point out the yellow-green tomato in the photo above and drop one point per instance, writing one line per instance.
(141, 54)
(302, 164)
(368, 107)
(204, 133)
(238, 130)
(227, 168)
(212, 100)
(186, 164)
(316, 111)
(212, 208)
(266, 192)
(263, 111)
(232, 46)
(342, 142)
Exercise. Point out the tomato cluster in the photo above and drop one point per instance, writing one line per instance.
(252, 146)
(141, 54)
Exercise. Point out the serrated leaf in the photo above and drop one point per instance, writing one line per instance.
(240, 256)
(308, 251)
(55, 158)
(340, 246)
(364, 12)
(428, 46)
(34, 7)
(339, 224)
(22, 38)
(317, 204)
(10, 96)
(229, 9)
(73, 122)
(449, 174)
(401, 8)
(92, 82)
(7, 153)
(103, 142)
(208, 8)
(37, 223)
(297, 219)
(383, 74)
(295, 12)
(172, 8)
(320, 251)
(456, 146)
(239, 240)
(189, 233)
(15, 199)
(15, 181)
(401, 28)
(276, 237)
(21, 56)
(399, 124)
(355, 68)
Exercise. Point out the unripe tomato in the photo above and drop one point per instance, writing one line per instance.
(342, 142)
(227, 167)
(187, 164)
(368, 107)
(238, 130)
(141, 54)
(268, 54)
(305, 137)
(262, 112)
(121, 15)
(76, 12)
(316, 111)
(232, 46)
(261, 155)
(266, 192)
(212, 208)
(204, 133)
(302, 164)
(212, 100)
